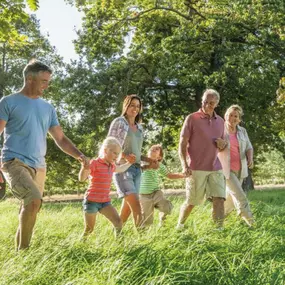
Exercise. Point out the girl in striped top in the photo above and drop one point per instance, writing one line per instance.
(100, 172)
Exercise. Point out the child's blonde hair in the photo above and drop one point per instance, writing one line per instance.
(108, 143)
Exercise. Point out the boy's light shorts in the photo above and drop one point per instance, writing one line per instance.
(26, 183)
(203, 185)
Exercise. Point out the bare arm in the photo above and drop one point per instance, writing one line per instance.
(64, 143)
(249, 155)
(183, 154)
(83, 173)
(84, 170)
(176, 175)
(2, 126)
(221, 144)
(122, 167)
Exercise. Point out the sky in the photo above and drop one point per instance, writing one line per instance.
(59, 20)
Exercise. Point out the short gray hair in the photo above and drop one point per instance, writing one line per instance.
(34, 67)
(211, 92)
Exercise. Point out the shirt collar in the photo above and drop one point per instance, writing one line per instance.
(101, 160)
(206, 116)
(138, 125)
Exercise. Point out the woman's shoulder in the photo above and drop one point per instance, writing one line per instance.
(120, 119)
(241, 129)
(118, 124)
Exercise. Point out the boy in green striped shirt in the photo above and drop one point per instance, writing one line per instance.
(151, 197)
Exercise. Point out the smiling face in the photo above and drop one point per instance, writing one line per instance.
(209, 103)
(233, 118)
(111, 153)
(38, 83)
(133, 109)
(155, 152)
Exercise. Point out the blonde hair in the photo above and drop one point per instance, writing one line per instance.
(107, 144)
(211, 92)
(236, 108)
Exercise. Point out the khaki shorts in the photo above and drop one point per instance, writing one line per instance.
(155, 200)
(203, 185)
(26, 183)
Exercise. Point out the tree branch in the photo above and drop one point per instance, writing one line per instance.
(166, 9)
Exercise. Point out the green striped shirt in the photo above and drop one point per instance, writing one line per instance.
(151, 178)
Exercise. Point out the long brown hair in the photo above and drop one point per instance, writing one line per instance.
(127, 102)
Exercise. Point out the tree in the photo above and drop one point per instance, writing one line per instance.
(11, 13)
(177, 49)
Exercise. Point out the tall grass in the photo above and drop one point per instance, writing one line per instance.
(196, 255)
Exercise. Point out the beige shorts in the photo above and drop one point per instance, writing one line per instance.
(203, 185)
(155, 200)
(26, 183)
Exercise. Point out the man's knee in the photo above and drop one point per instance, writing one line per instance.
(34, 206)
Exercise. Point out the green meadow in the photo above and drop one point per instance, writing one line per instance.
(196, 255)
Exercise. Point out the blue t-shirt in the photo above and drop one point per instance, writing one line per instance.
(28, 121)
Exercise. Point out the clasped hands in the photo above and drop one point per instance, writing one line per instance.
(221, 143)
(131, 158)
(84, 161)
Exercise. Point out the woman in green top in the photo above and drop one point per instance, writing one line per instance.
(128, 130)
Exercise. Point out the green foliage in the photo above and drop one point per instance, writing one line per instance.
(11, 15)
(33, 4)
(196, 255)
(270, 167)
(169, 52)
(281, 91)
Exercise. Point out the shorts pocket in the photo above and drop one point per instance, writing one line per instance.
(20, 184)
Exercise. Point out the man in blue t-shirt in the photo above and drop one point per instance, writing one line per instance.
(26, 119)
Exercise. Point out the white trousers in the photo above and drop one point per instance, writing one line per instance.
(236, 198)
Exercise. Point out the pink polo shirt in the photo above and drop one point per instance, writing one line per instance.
(202, 132)
(100, 179)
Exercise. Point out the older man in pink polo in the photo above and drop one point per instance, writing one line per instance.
(201, 138)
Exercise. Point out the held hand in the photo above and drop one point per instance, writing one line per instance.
(84, 161)
(188, 174)
(130, 158)
(221, 143)
(186, 171)
(250, 163)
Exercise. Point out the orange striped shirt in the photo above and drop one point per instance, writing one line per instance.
(100, 180)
